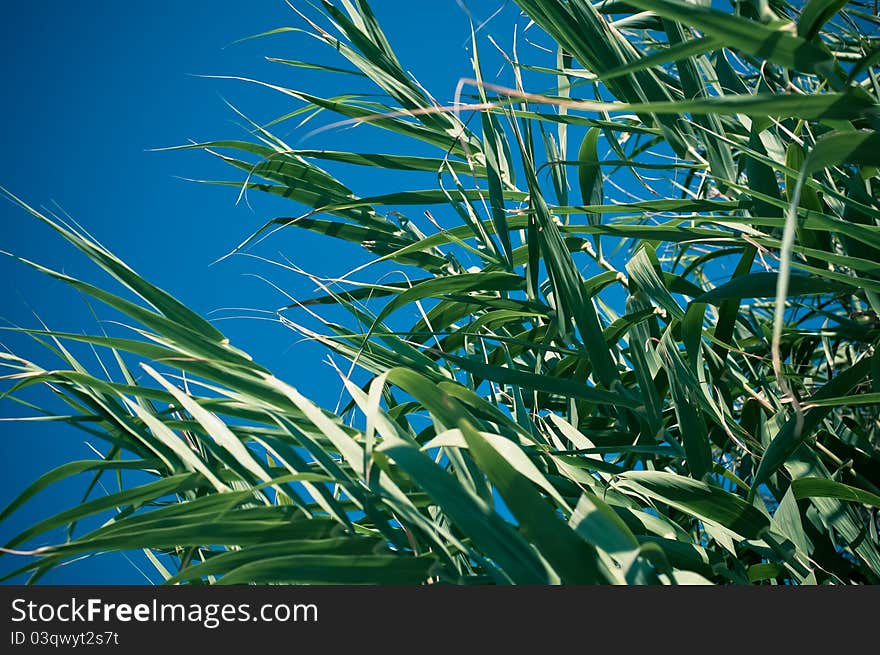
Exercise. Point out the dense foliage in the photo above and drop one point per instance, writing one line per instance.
(638, 343)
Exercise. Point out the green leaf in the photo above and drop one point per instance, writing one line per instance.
(763, 285)
(701, 500)
(590, 174)
(332, 569)
(824, 488)
(762, 41)
(692, 431)
(573, 559)
(815, 14)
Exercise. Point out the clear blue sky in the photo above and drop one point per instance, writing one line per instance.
(88, 88)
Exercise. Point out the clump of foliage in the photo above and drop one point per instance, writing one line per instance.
(672, 379)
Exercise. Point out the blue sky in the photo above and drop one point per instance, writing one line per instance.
(89, 88)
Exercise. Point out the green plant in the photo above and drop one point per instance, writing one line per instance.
(679, 386)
